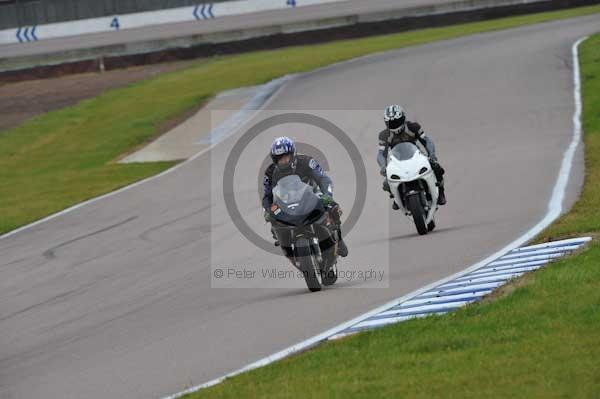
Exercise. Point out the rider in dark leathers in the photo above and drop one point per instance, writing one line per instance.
(399, 130)
(286, 162)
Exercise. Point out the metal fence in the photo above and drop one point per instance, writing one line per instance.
(15, 13)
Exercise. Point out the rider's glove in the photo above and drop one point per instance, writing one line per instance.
(382, 171)
(326, 200)
(268, 217)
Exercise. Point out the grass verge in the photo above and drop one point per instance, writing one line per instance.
(585, 215)
(64, 157)
(541, 341)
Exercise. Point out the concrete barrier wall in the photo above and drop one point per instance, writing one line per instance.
(269, 37)
(15, 13)
(29, 33)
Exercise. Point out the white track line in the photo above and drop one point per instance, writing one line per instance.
(467, 281)
(554, 210)
(553, 244)
(525, 259)
(546, 251)
(498, 273)
(488, 269)
(441, 299)
(441, 307)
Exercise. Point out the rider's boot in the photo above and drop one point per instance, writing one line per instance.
(276, 243)
(336, 216)
(342, 248)
(439, 175)
(386, 187)
(442, 194)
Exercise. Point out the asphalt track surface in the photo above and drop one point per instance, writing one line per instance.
(114, 299)
(228, 23)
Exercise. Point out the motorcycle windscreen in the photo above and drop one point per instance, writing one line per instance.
(404, 151)
(294, 197)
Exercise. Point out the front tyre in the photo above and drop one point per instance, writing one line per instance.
(308, 265)
(416, 209)
(330, 276)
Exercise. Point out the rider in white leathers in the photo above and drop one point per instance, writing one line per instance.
(399, 130)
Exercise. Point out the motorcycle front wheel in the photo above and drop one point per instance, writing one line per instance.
(418, 213)
(330, 276)
(308, 265)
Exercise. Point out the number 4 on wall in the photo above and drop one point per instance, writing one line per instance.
(115, 23)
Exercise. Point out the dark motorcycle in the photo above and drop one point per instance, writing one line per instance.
(302, 223)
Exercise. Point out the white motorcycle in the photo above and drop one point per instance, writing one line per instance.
(413, 184)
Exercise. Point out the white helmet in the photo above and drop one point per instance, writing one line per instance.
(394, 118)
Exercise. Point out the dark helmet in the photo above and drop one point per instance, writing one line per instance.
(283, 146)
(394, 118)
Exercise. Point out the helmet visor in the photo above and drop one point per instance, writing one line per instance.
(395, 124)
(283, 160)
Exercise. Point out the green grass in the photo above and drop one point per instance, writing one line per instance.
(585, 215)
(538, 337)
(66, 156)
